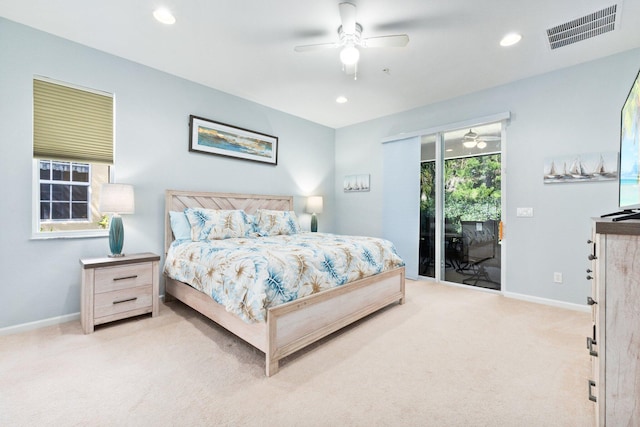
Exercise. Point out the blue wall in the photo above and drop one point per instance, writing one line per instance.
(571, 111)
(152, 117)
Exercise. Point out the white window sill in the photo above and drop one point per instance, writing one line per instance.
(79, 234)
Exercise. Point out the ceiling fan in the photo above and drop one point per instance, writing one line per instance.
(350, 39)
(472, 139)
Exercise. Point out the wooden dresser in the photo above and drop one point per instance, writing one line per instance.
(614, 342)
(117, 288)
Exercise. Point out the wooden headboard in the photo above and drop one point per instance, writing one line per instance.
(176, 200)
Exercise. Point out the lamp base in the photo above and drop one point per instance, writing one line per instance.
(314, 223)
(116, 236)
(116, 255)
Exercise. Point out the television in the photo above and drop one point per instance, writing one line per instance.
(628, 177)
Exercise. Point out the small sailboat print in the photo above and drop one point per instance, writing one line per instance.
(553, 173)
(601, 171)
(577, 170)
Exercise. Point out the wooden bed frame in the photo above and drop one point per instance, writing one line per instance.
(294, 325)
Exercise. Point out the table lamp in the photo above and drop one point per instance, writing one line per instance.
(314, 206)
(116, 199)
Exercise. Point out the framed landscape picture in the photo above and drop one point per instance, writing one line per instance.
(208, 136)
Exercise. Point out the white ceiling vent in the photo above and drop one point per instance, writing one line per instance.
(583, 28)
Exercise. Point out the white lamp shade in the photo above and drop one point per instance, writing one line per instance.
(314, 204)
(117, 198)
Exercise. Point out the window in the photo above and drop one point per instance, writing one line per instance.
(64, 191)
(67, 196)
(73, 154)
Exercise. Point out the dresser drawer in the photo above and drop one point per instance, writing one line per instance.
(109, 279)
(119, 304)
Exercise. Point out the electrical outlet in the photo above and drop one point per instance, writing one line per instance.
(557, 277)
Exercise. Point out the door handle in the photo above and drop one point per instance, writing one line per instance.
(590, 343)
(591, 396)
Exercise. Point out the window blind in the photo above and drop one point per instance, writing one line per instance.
(71, 124)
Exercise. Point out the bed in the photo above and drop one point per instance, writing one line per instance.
(293, 325)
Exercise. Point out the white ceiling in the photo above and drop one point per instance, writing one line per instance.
(245, 47)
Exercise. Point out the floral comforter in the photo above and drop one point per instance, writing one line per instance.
(249, 275)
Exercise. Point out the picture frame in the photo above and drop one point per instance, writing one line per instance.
(581, 167)
(220, 139)
(356, 183)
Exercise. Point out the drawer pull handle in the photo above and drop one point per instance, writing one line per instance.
(125, 278)
(591, 396)
(591, 301)
(590, 344)
(125, 300)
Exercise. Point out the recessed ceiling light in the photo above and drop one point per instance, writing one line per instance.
(510, 39)
(341, 99)
(164, 15)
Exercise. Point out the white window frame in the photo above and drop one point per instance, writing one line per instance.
(71, 183)
(36, 233)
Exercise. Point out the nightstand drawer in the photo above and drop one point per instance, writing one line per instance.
(109, 306)
(123, 277)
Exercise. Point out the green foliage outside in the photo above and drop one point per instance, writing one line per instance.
(472, 189)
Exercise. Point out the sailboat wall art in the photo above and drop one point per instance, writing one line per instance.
(356, 183)
(589, 167)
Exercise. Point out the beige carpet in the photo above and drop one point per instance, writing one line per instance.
(448, 357)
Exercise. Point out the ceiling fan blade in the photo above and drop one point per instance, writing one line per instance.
(490, 138)
(314, 47)
(348, 17)
(400, 40)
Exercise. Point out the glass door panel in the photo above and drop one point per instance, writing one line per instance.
(427, 257)
(472, 206)
(460, 206)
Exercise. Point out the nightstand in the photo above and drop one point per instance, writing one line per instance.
(118, 288)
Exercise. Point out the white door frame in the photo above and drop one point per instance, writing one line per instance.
(413, 240)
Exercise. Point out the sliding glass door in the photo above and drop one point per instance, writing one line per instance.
(461, 206)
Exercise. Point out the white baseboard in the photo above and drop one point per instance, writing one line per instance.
(523, 297)
(9, 330)
(546, 301)
(39, 324)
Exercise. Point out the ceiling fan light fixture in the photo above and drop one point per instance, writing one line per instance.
(469, 143)
(482, 144)
(349, 55)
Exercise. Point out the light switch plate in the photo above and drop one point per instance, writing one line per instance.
(524, 212)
